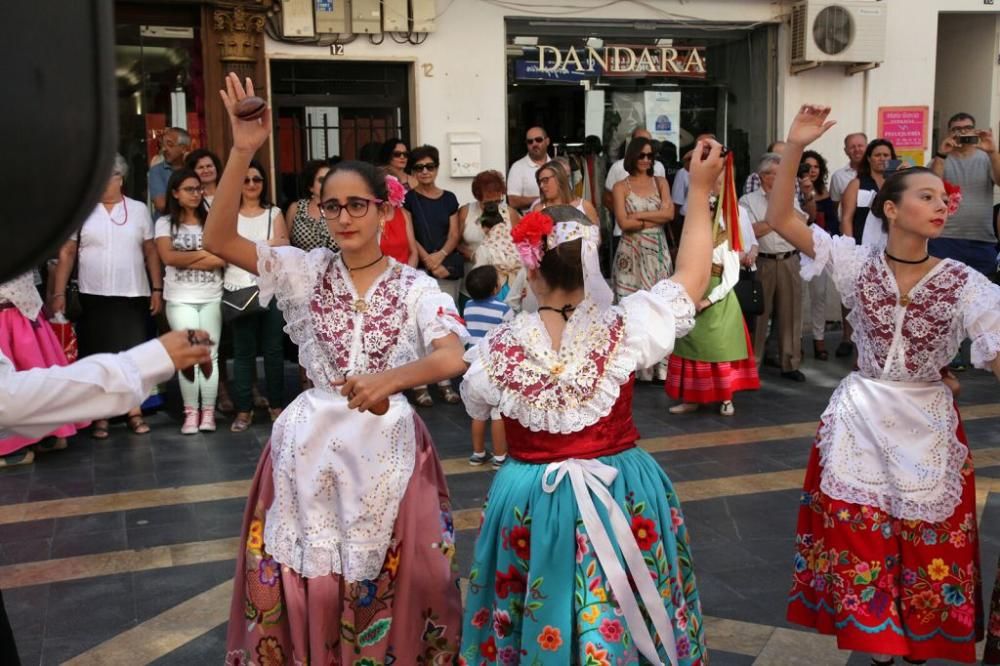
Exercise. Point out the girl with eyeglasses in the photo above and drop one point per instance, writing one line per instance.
(192, 289)
(642, 206)
(260, 222)
(347, 548)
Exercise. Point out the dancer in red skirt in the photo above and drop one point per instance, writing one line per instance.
(887, 552)
(715, 360)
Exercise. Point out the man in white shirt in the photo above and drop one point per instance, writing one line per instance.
(522, 188)
(778, 272)
(854, 148)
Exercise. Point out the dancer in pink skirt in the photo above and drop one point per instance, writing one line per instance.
(347, 555)
(27, 339)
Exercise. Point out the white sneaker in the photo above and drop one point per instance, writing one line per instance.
(727, 408)
(684, 408)
(207, 420)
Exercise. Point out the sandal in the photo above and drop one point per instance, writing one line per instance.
(22, 457)
(241, 422)
(138, 424)
(100, 430)
(51, 444)
(259, 401)
(423, 398)
(819, 350)
(450, 395)
(224, 402)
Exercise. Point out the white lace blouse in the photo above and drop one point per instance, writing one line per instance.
(339, 474)
(516, 369)
(888, 437)
(23, 295)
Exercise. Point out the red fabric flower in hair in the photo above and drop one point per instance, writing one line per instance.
(954, 197)
(527, 236)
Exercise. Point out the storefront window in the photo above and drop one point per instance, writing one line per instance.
(159, 74)
(603, 79)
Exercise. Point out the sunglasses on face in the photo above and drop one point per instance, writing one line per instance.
(427, 166)
(645, 156)
(256, 180)
(355, 207)
(535, 139)
(400, 153)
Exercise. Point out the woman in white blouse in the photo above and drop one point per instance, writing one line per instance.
(258, 221)
(118, 264)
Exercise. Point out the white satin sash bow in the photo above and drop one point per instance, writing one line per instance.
(593, 476)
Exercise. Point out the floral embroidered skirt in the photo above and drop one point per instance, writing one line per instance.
(537, 593)
(31, 344)
(703, 382)
(410, 614)
(884, 585)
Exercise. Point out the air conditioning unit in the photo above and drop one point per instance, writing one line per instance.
(838, 31)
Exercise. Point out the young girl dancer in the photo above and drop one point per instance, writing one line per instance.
(348, 541)
(547, 585)
(887, 548)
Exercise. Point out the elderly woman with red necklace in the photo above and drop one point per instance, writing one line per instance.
(120, 279)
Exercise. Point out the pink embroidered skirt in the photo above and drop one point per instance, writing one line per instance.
(411, 613)
(30, 344)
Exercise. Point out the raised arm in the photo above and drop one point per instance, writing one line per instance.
(848, 206)
(694, 258)
(809, 125)
(221, 236)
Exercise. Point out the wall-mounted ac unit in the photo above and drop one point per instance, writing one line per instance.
(838, 31)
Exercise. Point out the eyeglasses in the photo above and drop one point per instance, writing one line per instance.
(963, 128)
(645, 156)
(400, 153)
(545, 179)
(257, 180)
(426, 166)
(191, 190)
(355, 207)
(535, 139)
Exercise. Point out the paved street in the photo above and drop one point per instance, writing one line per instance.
(122, 551)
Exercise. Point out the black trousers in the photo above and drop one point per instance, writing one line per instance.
(8, 648)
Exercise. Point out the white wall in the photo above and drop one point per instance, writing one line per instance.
(966, 68)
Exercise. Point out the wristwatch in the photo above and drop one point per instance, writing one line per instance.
(940, 156)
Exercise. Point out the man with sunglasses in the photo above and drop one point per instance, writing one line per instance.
(522, 189)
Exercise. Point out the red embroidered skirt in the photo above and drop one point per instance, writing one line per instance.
(884, 585)
(705, 382)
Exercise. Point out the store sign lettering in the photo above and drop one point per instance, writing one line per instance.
(673, 61)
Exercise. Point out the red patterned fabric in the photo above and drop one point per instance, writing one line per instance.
(884, 585)
(701, 382)
(394, 242)
(612, 434)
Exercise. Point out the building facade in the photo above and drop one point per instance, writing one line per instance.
(470, 76)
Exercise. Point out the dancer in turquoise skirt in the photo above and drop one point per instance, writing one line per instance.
(583, 555)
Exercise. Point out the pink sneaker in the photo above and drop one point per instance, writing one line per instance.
(190, 426)
(207, 420)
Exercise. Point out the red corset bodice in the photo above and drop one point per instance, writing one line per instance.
(612, 434)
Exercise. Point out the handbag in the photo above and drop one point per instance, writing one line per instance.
(237, 303)
(750, 293)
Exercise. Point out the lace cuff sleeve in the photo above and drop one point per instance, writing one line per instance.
(655, 319)
(841, 255)
(437, 316)
(478, 393)
(286, 273)
(981, 317)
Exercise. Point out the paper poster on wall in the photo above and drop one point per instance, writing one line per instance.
(905, 126)
(594, 115)
(663, 115)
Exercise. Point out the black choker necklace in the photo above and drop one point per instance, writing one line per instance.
(361, 268)
(565, 310)
(907, 261)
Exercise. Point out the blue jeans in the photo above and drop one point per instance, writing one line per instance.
(980, 255)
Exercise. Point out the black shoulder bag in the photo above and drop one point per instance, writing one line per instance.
(238, 303)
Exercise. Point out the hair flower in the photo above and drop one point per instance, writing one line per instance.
(954, 197)
(527, 236)
(397, 193)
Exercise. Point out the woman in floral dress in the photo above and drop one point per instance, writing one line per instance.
(347, 543)
(887, 551)
(547, 585)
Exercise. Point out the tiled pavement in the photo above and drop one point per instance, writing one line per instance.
(120, 552)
